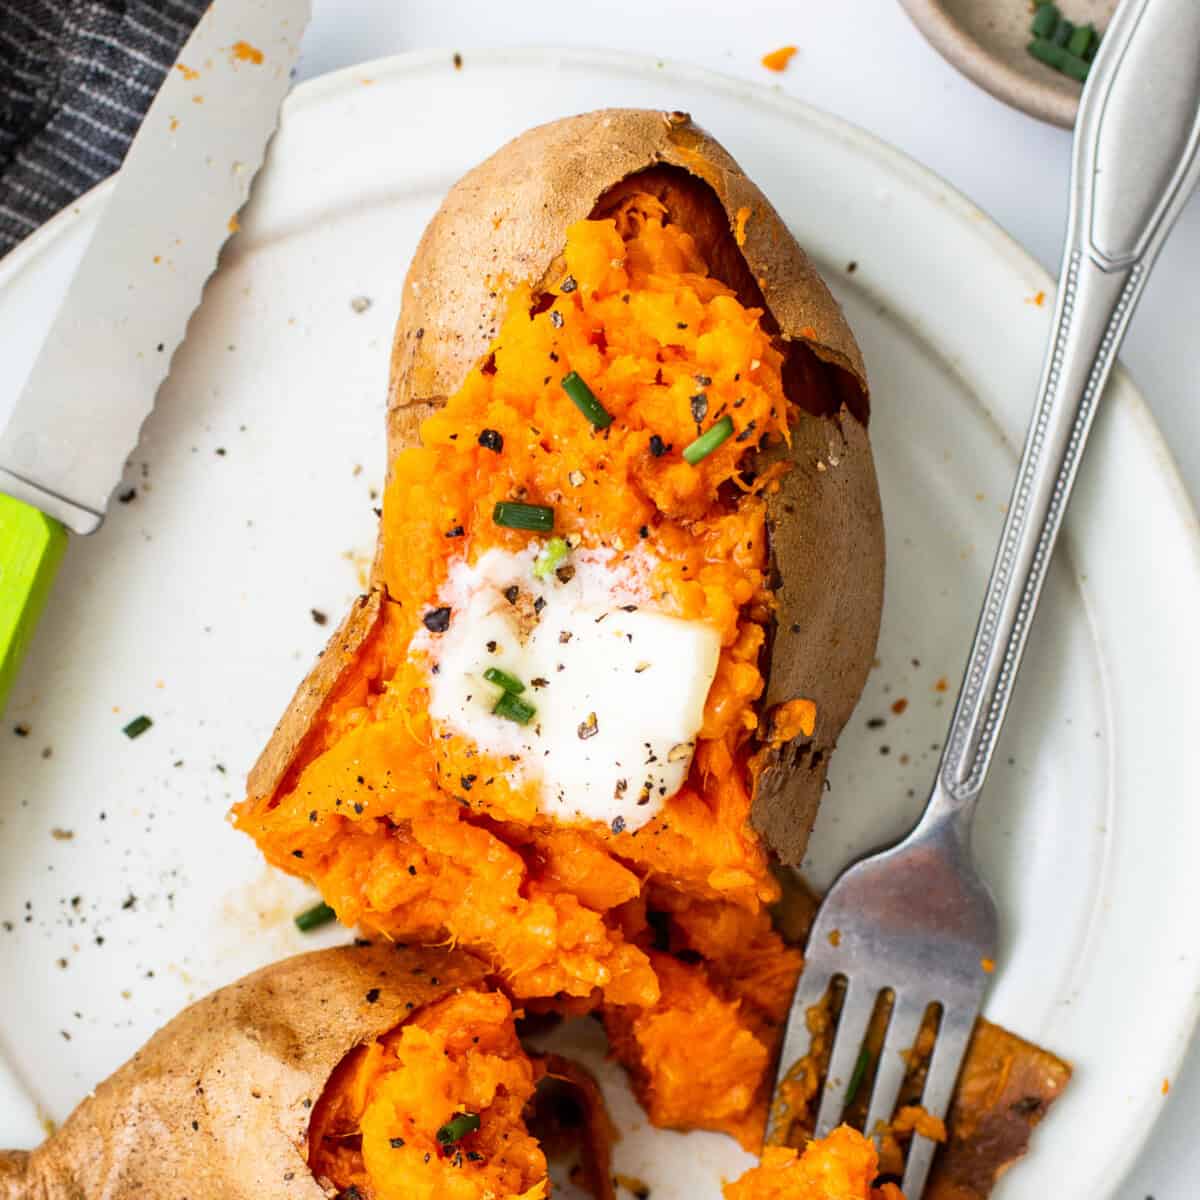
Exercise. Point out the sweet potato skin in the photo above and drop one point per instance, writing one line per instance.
(504, 224)
(218, 1102)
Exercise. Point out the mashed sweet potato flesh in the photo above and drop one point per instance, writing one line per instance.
(409, 830)
(841, 1166)
(376, 1126)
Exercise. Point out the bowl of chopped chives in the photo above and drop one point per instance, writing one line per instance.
(1032, 54)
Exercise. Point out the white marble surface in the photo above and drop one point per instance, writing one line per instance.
(863, 60)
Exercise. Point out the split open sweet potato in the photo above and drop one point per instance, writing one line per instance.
(625, 249)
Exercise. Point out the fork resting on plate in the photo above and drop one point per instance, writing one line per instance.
(916, 920)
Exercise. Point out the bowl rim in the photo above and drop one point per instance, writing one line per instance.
(963, 52)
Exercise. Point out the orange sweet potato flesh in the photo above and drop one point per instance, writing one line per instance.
(841, 1166)
(375, 1128)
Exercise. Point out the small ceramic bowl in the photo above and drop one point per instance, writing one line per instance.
(986, 40)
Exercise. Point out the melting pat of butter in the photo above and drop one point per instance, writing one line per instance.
(619, 689)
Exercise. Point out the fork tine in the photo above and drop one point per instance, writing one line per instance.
(797, 1037)
(905, 1024)
(847, 1043)
(948, 1052)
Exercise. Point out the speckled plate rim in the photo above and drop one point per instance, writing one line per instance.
(995, 77)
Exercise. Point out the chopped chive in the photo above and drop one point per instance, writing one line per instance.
(1045, 20)
(457, 1128)
(1076, 67)
(857, 1076)
(514, 708)
(708, 441)
(510, 683)
(1046, 51)
(137, 727)
(315, 917)
(1080, 43)
(535, 517)
(1062, 33)
(586, 401)
(551, 558)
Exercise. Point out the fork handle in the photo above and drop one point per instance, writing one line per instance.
(1136, 161)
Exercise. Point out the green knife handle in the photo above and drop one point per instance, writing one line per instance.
(31, 546)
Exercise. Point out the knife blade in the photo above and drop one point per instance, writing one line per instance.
(64, 443)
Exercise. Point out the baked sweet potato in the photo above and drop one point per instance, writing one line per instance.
(366, 1072)
(714, 475)
(218, 1103)
(711, 482)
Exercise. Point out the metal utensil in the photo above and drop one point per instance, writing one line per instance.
(64, 443)
(916, 919)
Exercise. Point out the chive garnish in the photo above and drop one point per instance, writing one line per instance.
(510, 683)
(1045, 20)
(1059, 58)
(315, 917)
(137, 727)
(514, 708)
(551, 558)
(1061, 44)
(534, 517)
(457, 1128)
(1080, 42)
(857, 1076)
(586, 401)
(708, 441)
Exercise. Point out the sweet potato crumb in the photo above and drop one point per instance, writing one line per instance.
(1166, 1086)
(1037, 299)
(835, 937)
(898, 706)
(988, 964)
(244, 52)
(912, 1118)
(187, 71)
(778, 60)
(942, 685)
(234, 224)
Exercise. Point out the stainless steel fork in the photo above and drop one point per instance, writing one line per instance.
(916, 919)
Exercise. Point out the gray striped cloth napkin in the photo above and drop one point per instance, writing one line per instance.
(76, 78)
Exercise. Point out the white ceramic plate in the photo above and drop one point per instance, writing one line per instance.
(128, 895)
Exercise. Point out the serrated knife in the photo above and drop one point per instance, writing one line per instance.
(65, 440)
